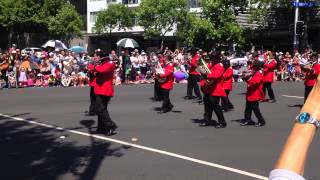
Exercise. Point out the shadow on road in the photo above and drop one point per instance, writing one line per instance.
(38, 153)
(296, 105)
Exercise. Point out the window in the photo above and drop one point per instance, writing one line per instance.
(93, 17)
(194, 3)
(130, 1)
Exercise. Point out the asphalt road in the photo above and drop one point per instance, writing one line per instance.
(35, 152)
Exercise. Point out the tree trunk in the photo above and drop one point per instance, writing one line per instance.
(10, 36)
(161, 45)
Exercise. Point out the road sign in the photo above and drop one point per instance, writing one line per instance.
(304, 4)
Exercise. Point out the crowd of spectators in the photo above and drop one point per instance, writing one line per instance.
(58, 67)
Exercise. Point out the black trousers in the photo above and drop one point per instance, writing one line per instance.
(157, 90)
(253, 106)
(268, 86)
(166, 103)
(215, 106)
(225, 101)
(307, 91)
(92, 101)
(193, 85)
(104, 120)
(207, 107)
(5, 77)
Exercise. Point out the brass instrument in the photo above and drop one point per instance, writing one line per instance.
(204, 69)
(159, 70)
(246, 75)
(308, 65)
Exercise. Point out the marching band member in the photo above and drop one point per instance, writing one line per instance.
(268, 76)
(227, 85)
(194, 76)
(254, 95)
(312, 71)
(167, 85)
(92, 83)
(217, 91)
(206, 90)
(103, 90)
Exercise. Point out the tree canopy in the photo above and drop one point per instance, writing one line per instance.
(115, 16)
(67, 23)
(36, 15)
(158, 17)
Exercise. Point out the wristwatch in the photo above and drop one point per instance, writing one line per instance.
(304, 118)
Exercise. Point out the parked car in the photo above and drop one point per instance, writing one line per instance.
(31, 49)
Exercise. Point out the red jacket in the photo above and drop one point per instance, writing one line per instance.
(92, 80)
(311, 76)
(228, 79)
(194, 64)
(168, 74)
(268, 70)
(104, 79)
(205, 88)
(217, 76)
(255, 87)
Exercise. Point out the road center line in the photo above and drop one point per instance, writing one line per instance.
(298, 97)
(142, 147)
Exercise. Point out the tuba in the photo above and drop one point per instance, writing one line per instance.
(204, 69)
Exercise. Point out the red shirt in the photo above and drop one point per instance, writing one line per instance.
(268, 70)
(217, 76)
(228, 79)
(193, 65)
(311, 76)
(104, 79)
(255, 87)
(168, 74)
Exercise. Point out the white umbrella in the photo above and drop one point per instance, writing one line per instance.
(55, 44)
(127, 43)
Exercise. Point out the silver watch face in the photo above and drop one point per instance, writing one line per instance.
(304, 118)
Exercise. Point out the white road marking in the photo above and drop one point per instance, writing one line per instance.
(226, 168)
(298, 97)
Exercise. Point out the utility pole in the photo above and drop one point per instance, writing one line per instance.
(295, 36)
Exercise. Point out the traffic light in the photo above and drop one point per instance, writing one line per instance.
(300, 28)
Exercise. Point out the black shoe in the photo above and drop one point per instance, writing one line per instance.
(111, 131)
(247, 123)
(205, 124)
(189, 97)
(219, 126)
(260, 124)
(273, 101)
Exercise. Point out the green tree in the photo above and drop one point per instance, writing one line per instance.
(115, 16)
(66, 24)
(158, 17)
(196, 31)
(222, 14)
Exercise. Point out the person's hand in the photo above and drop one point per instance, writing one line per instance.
(204, 76)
